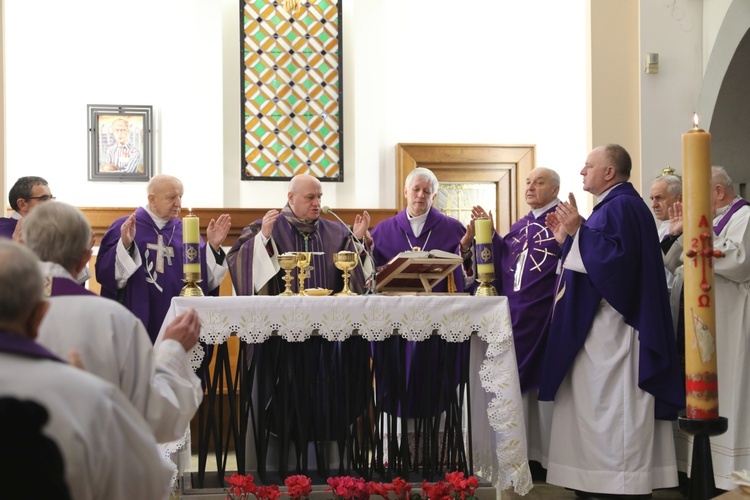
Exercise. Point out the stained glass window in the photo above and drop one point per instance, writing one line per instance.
(292, 90)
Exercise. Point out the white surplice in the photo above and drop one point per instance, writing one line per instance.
(615, 453)
(114, 345)
(108, 449)
(729, 451)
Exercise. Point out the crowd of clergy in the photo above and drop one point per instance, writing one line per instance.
(87, 391)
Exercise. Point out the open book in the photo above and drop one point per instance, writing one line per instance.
(417, 271)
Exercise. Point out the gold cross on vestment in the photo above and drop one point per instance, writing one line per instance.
(162, 251)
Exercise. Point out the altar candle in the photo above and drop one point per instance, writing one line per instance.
(191, 244)
(483, 237)
(701, 382)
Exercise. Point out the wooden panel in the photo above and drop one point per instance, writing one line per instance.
(506, 166)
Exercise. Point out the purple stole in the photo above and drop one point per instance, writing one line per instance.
(57, 286)
(719, 227)
(7, 226)
(15, 344)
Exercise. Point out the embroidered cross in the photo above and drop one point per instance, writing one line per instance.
(161, 252)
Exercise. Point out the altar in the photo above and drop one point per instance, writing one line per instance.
(491, 443)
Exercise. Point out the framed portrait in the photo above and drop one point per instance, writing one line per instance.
(119, 143)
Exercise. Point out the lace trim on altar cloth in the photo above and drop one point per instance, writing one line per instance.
(169, 452)
(502, 458)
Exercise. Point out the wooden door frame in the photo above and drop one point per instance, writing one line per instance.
(505, 166)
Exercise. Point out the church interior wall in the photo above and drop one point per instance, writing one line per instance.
(419, 71)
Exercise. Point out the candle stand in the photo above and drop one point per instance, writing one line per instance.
(486, 288)
(702, 484)
(191, 289)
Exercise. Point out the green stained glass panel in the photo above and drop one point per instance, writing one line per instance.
(294, 111)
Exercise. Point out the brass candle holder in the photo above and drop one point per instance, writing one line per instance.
(191, 289)
(345, 261)
(486, 288)
(287, 262)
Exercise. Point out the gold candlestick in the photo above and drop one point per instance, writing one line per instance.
(191, 256)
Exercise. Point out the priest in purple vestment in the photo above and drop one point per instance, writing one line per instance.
(526, 261)
(141, 255)
(611, 363)
(302, 398)
(419, 380)
(25, 194)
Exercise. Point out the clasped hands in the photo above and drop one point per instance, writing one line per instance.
(565, 220)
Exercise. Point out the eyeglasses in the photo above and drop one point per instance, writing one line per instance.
(44, 197)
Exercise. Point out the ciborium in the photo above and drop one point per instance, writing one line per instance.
(287, 262)
(303, 262)
(345, 261)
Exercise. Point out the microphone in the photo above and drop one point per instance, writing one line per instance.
(371, 291)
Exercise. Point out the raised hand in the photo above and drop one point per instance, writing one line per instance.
(675, 219)
(127, 231)
(268, 221)
(552, 221)
(217, 231)
(361, 224)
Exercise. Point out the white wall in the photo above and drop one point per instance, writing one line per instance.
(488, 71)
(61, 56)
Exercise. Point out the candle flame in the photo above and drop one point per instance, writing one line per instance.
(695, 119)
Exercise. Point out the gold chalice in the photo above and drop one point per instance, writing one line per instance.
(287, 262)
(345, 261)
(303, 262)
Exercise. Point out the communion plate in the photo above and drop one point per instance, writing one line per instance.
(318, 292)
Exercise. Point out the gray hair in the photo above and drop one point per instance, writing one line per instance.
(424, 174)
(57, 232)
(22, 189)
(673, 182)
(720, 176)
(21, 281)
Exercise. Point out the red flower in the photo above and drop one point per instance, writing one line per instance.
(401, 488)
(270, 492)
(298, 486)
(462, 487)
(438, 491)
(241, 485)
(348, 488)
(381, 489)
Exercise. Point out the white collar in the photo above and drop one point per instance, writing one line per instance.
(160, 223)
(720, 212)
(605, 193)
(539, 211)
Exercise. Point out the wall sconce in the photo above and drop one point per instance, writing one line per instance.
(652, 63)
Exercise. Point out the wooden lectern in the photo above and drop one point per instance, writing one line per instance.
(416, 273)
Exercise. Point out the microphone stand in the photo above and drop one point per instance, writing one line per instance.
(372, 289)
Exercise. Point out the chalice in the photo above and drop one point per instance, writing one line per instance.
(345, 261)
(287, 262)
(303, 262)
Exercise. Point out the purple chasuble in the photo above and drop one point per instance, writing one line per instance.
(429, 386)
(149, 291)
(532, 247)
(7, 226)
(725, 219)
(322, 235)
(15, 344)
(57, 286)
(621, 252)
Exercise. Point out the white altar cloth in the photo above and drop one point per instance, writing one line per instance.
(498, 434)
